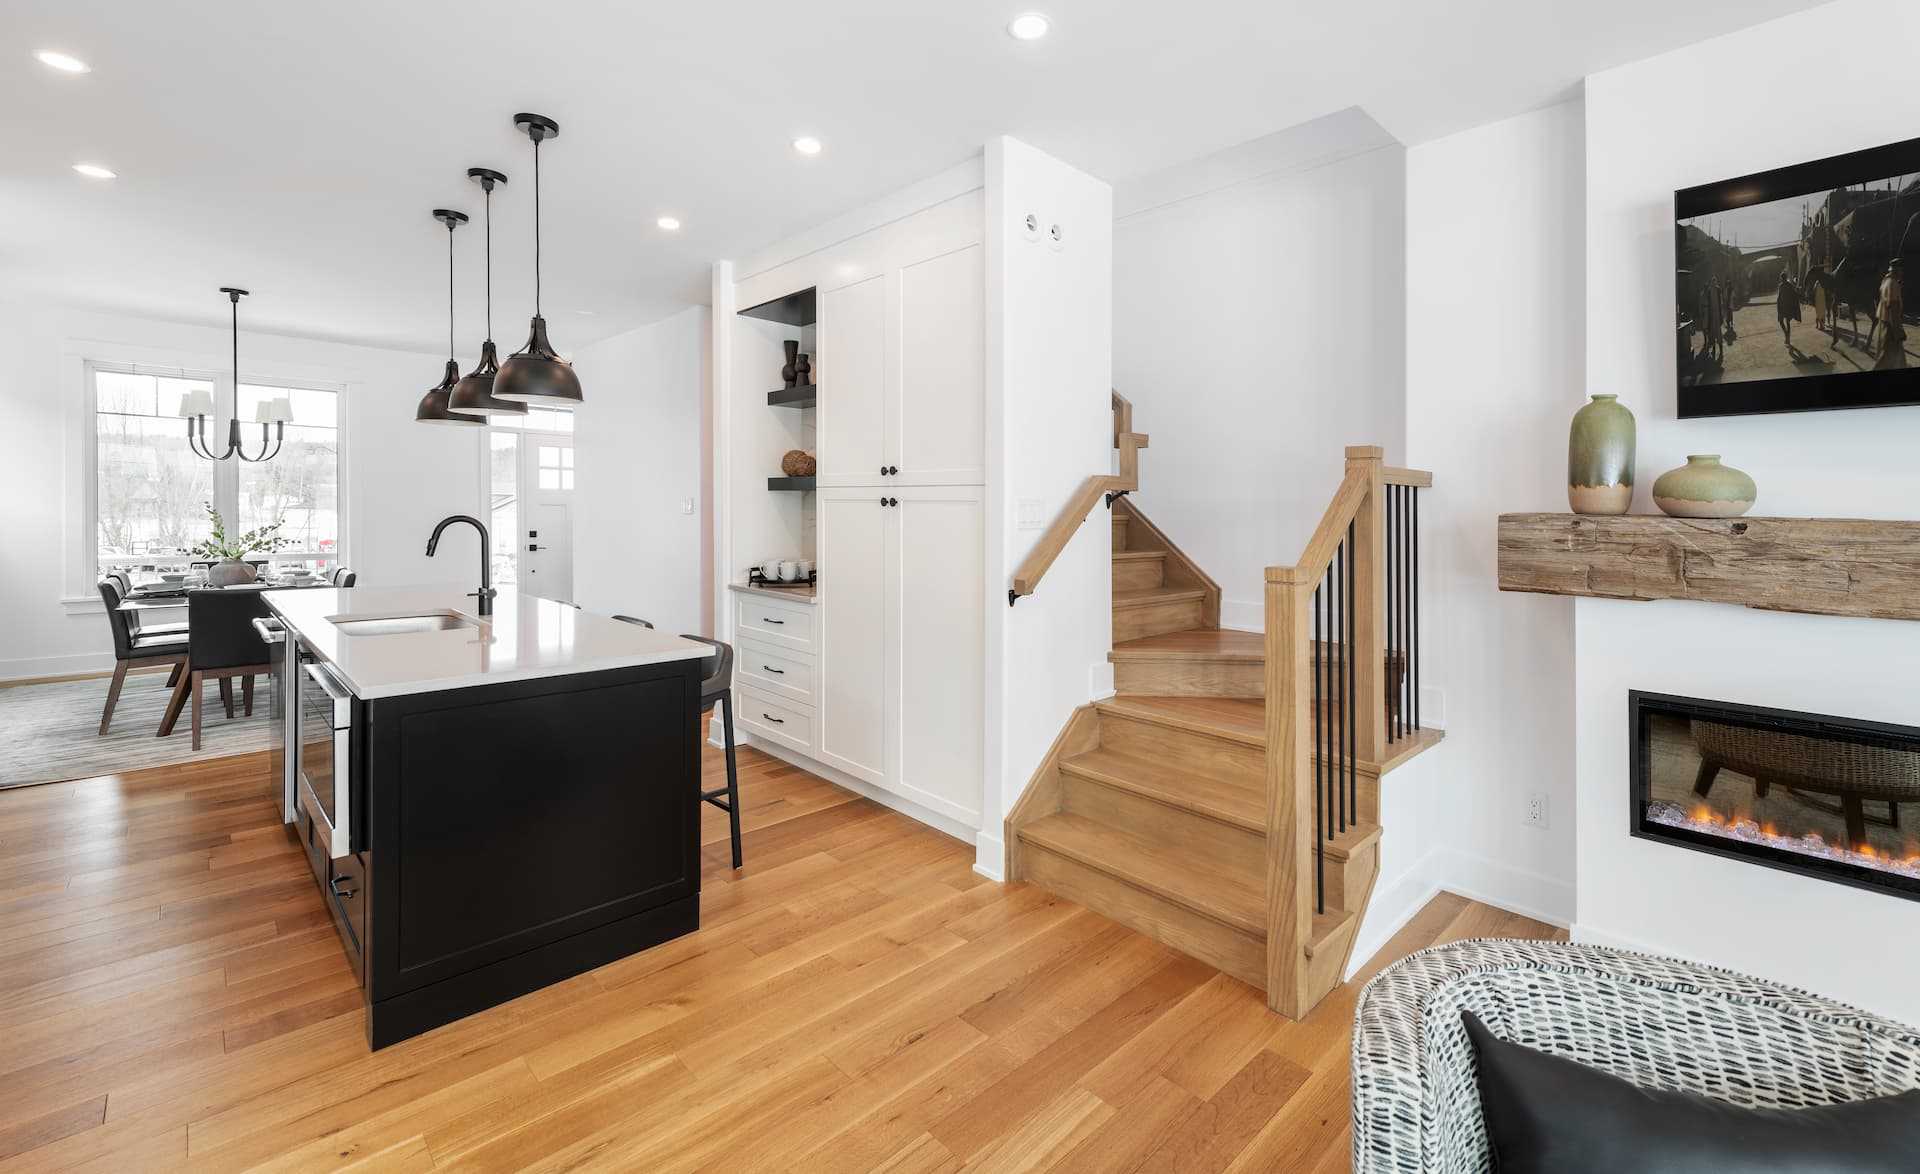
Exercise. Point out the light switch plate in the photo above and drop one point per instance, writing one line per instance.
(1029, 514)
(686, 505)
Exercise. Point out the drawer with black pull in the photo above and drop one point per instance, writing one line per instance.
(786, 625)
(777, 672)
(766, 717)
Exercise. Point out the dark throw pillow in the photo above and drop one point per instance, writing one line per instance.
(1551, 1115)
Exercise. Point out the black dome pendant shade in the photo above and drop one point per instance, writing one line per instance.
(476, 392)
(536, 371)
(433, 405)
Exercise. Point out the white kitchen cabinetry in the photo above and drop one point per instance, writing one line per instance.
(902, 375)
(852, 538)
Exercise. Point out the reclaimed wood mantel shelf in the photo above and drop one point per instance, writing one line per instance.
(1825, 566)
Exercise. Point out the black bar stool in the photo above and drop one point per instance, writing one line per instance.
(717, 689)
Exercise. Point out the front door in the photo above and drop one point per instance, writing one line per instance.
(546, 516)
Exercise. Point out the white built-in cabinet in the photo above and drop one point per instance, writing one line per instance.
(886, 684)
(901, 699)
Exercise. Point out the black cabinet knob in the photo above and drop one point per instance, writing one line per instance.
(894, 470)
(883, 470)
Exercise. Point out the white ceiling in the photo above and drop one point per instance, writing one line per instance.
(297, 148)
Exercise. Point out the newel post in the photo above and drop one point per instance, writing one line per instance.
(1290, 829)
(1370, 605)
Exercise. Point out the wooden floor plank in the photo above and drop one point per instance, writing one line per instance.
(857, 998)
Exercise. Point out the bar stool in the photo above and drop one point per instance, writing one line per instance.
(717, 689)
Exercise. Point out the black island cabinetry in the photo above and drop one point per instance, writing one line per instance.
(508, 836)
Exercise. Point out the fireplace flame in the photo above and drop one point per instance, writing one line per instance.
(1701, 818)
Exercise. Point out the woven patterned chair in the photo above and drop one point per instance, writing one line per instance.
(1659, 1022)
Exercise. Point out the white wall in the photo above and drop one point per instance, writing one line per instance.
(1495, 367)
(400, 477)
(1644, 141)
(1049, 426)
(1258, 305)
(643, 452)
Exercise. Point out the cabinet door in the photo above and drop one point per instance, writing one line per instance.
(937, 617)
(853, 383)
(851, 717)
(937, 424)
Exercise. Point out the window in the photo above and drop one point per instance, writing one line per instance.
(301, 486)
(503, 505)
(151, 491)
(556, 466)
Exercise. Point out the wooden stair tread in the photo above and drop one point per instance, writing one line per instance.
(1214, 796)
(1355, 838)
(1195, 644)
(1197, 883)
(1236, 719)
(1327, 928)
(1129, 556)
(1153, 595)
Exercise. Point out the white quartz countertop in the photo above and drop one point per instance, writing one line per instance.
(526, 637)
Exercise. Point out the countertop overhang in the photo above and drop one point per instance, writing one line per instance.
(525, 638)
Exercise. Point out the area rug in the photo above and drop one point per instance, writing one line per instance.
(51, 732)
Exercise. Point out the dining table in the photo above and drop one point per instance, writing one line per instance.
(173, 597)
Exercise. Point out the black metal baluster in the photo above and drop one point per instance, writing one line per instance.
(1416, 609)
(1406, 604)
(1393, 610)
(1339, 670)
(1319, 851)
(1353, 767)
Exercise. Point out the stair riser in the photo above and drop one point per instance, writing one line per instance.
(1190, 678)
(1131, 623)
(1139, 574)
(1219, 946)
(1160, 743)
(1119, 531)
(1347, 880)
(1172, 826)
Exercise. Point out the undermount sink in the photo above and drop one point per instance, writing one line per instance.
(399, 625)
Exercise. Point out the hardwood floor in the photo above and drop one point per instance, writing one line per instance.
(172, 996)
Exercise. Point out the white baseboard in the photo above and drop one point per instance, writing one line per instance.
(28, 668)
(1517, 890)
(990, 860)
(862, 788)
(1243, 615)
(1587, 935)
(1100, 681)
(1392, 907)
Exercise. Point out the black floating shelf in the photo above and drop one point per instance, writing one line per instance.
(795, 309)
(801, 483)
(792, 397)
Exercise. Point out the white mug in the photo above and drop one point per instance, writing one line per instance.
(803, 568)
(788, 569)
(770, 570)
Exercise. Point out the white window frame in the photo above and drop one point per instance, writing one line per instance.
(80, 499)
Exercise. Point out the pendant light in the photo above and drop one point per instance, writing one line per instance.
(475, 393)
(433, 405)
(536, 371)
(196, 406)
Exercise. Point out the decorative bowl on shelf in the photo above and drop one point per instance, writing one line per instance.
(797, 463)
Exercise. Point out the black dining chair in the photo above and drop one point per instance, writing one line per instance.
(132, 650)
(221, 645)
(342, 577)
(716, 688)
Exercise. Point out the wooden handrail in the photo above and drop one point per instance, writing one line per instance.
(1067, 523)
(1359, 507)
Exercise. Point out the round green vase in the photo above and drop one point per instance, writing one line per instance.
(1600, 458)
(1704, 488)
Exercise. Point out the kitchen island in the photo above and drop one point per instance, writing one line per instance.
(490, 802)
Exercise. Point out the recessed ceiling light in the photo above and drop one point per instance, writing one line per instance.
(671, 224)
(807, 145)
(64, 62)
(1029, 26)
(93, 171)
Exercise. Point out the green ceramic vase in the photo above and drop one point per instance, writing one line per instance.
(1600, 458)
(1704, 488)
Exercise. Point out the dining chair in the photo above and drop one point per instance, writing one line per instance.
(221, 645)
(716, 688)
(343, 577)
(132, 650)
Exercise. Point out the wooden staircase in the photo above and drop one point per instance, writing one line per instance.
(1155, 808)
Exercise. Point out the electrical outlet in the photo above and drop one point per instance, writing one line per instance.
(1029, 514)
(1536, 815)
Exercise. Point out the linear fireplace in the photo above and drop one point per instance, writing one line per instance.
(1830, 797)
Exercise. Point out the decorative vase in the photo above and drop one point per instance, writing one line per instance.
(803, 369)
(229, 571)
(1600, 458)
(789, 372)
(797, 463)
(1704, 488)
